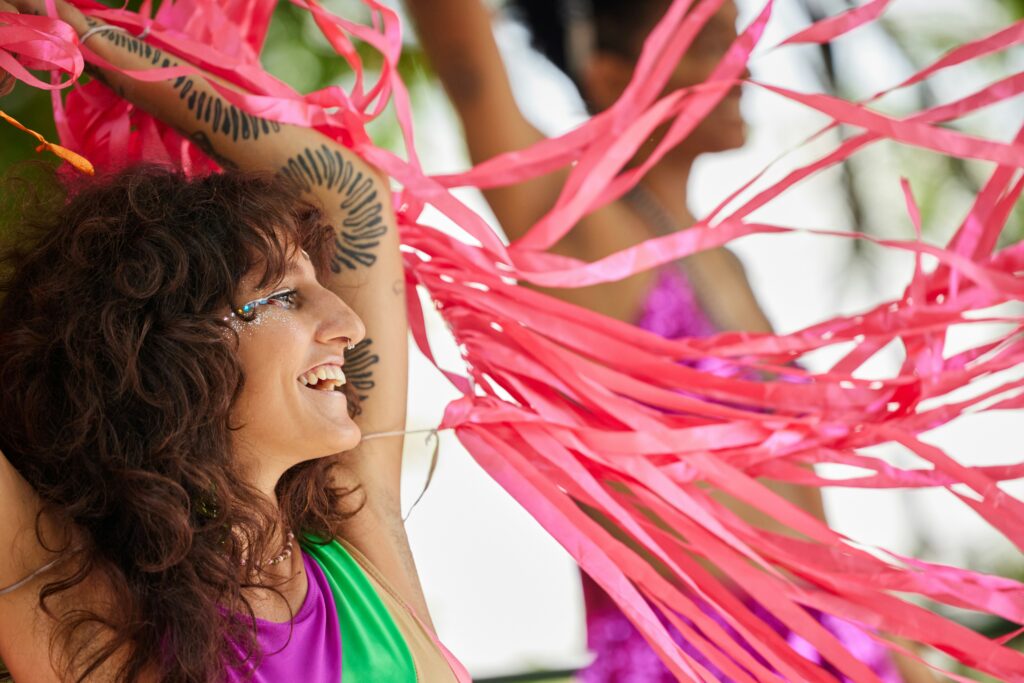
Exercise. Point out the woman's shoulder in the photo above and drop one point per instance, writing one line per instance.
(27, 631)
(19, 622)
(19, 509)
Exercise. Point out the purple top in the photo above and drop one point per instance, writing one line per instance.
(310, 644)
(671, 309)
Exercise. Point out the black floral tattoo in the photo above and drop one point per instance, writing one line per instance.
(363, 225)
(359, 364)
(136, 47)
(221, 116)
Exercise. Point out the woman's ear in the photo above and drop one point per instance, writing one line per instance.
(604, 78)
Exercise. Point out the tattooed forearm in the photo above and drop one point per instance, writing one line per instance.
(221, 116)
(362, 227)
(359, 364)
(208, 108)
(133, 45)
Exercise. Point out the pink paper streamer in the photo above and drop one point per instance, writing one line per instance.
(833, 27)
(31, 42)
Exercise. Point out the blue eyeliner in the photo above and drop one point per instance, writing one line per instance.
(247, 311)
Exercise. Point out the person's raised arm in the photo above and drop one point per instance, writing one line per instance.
(459, 42)
(367, 269)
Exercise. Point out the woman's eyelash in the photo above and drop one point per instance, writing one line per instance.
(285, 299)
(288, 298)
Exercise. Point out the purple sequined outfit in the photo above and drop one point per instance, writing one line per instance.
(671, 310)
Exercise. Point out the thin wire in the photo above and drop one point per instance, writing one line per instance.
(101, 29)
(400, 432)
(430, 470)
(18, 584)
(432, 433)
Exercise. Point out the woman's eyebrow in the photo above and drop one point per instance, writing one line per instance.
(295, 264)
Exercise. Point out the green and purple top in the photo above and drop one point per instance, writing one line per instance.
(351, 628)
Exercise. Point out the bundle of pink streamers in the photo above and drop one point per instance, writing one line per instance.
(564, 407)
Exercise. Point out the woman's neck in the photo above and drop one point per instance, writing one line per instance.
(667, 181)
(262, 473)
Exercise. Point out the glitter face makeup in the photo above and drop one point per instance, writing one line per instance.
(285, 299)
(261, 317)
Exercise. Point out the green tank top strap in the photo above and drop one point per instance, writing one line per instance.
(372, 647)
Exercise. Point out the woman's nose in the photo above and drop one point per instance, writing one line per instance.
(339, 322)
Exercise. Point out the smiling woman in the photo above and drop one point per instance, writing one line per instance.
(183, 486)
(125, 379)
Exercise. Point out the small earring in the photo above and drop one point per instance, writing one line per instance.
(351, 344)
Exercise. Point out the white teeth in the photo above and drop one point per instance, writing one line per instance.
(322, 374)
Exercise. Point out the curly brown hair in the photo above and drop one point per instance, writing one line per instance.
(119, 374)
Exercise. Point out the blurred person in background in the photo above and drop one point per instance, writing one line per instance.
(596, 43)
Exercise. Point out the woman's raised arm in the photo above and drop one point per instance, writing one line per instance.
(367, 270)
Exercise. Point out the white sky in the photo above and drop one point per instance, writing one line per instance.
(504, 596)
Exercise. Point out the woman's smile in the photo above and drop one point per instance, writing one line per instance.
(327, 376)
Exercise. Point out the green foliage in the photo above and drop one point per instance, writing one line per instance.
(1015, 8)
(32, 107)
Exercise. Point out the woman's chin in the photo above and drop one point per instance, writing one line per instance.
(341, 439)
(731, 140)
(347, 438)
